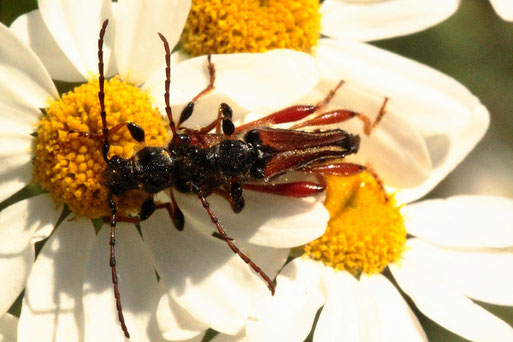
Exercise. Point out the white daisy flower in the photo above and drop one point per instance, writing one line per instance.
(341, 271)
(432, 121)
(68, 289)
(448, 118)
(193, 296)
(369, 306)
(431, 124)
(366, 20)
(451, 261)
(255, 26)
(279, 225)
(448, 122)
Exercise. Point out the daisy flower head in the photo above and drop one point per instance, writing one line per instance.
(68, 288)
(256, 26)
(446, 261)
(443, 114)
(342, 272)
(432, 123)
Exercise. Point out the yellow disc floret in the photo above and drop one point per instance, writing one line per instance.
(365, 232)
(229, 26)
(71, 167)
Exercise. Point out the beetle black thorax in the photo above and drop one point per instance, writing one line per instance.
(211, 166)
(233, 158)
(151, 169)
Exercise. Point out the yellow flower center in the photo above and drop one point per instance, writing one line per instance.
(365, 232)
(228, 26)
(71, 167)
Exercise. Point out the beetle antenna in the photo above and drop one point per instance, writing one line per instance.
(111, 203)
(232, 246)
(112, 262)
(167, 84)
(101, 93)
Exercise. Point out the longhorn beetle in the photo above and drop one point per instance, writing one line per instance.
(249, 157)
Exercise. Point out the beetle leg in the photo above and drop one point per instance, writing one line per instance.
(149, 206)
(189, 108)
(174, 212)
(335, 169)
(223, 120)
(136, 131)
(226, 112)
(324, 102)
(125, 219)
(378, 181)
(292, 189)
(289, 114)
(233, 195)
(236, 196)
(341, 115)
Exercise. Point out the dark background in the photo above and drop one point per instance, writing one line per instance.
(475, 47)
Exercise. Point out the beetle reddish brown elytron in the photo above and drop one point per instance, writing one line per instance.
(225, 162)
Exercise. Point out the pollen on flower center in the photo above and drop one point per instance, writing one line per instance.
(71, 167)
(229, 26)
(365, 232)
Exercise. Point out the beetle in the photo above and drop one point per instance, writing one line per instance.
(226, 162)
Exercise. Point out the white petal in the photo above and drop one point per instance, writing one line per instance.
(15, 157)
(373, 20)
(16, 142)
(230, 338)
(31, 28)
(175, 323)
(462, 221)
(52, 307)
(8, 328)
(15, 270)
(448, 307)
(14, 181)
(24, 82)
(395, 151)
(16, 126)
(449, 118)
(289, 315)
(139, 49)
(342, 316)
(482, 274)
(75, 25)
(504, 9)
(137, 286)
(396, 320)
(24, 221)
(198, 338)
(20, 224)
(25, 118)
(204, 276)
(266, 220)
(258, 82)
